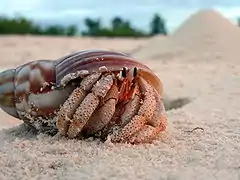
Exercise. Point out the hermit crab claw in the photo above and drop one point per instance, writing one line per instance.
(97, 93)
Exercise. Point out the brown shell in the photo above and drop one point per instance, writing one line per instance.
(93, 60)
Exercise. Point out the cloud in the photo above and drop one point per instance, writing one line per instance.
(230, 13)
(11, 7)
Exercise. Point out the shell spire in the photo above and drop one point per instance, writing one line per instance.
(7, 90)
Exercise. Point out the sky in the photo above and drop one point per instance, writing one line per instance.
(139, 12)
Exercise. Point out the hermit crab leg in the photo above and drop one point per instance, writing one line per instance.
(145, 113)
(126, 91)
(89, 105)
(68, 108)
(157, 124)
(102, 116)
(132, 107)
(159, 119)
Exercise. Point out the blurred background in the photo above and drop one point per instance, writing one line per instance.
(136, 18)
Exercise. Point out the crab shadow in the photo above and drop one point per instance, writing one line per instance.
(177, 103)
(21, 131)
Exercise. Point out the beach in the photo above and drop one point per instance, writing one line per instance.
(202, 141)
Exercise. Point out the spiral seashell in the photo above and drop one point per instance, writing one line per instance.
(37, 89)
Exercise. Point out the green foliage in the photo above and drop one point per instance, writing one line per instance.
(93, 27)
(54, 30)
(118, 28)
(158, 25)
(238, 21)
(21, 25)
(72, 30)
(18, 25)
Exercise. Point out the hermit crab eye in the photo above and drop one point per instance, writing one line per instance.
(124, 72)
(135, 72)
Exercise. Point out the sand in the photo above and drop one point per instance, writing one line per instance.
(212, 84)
(204, 36)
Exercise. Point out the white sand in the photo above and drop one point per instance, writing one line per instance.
(213, 86)
(204, 36)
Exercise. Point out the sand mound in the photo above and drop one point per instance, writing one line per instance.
(206, 33)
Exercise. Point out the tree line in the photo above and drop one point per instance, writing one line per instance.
(119, 27)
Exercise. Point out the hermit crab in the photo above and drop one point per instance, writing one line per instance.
(99, 93)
